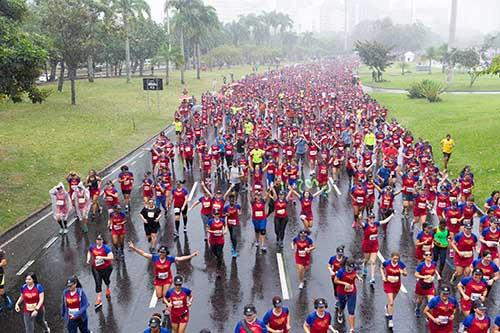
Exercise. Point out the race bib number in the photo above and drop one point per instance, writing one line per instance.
(73, 311)
(117, 226)
(421, 205)
(280, 211)
(313, 153)
(454, 221)
(146, 188)
(443, 320)
(99, 262)
(177, 304)
(410, 189)
(259, 213)
(162, 275)
(81, 200)
(302, 253)
(442, 204)
(373, 237)
(467, 254)
(177, 210)
(392, 278)
(151, 214)
(31, 306)
(60, 202)
(231, 221)
(126, 182)
(360, 200)
(474, 296)
(426, 248)
(206, 204)
(288, 153)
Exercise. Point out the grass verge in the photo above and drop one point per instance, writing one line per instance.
(40, 143)
(472, 120)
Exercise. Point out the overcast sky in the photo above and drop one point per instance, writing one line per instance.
(473, 15)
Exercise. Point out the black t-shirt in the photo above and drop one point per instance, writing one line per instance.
(150, 214)
(240, 146)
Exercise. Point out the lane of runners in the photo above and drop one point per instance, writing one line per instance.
(289, 192)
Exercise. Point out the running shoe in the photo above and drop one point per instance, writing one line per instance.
(108, 293)
(176, 234)
(263, 249)
(365, 271)
(65, 231)
(185, 229)
(234, 253)
(97, 305)
(417, 312)
(8, 303)
(61, 231)
(301, 285)
(340, 318)
(390, 324)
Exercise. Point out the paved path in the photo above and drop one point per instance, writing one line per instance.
(369, 89)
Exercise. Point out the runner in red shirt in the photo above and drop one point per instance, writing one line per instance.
(303, 246)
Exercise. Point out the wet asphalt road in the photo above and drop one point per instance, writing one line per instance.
(219, 297)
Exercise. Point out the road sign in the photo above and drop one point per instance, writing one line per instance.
(152, 84)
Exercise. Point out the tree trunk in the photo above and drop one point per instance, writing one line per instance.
(430, 65)
(197, 60)
(141, 67)
(451, 37)
(167, 72)
(183, 57)
(46, 73)
(127, 49)
(90, 69)
(72, 76)
(107, 69)
(61, 78)
(53, 70)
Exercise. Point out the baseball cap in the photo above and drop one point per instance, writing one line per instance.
(99, 237)
(162, 249)
(71, 281)
(372, 214)
(249, 310)
(479, 305)
(277, 301)
(444, 290)
(178, 280)
(477, 271)
(320, 303)
(154, 322)
(468, 226)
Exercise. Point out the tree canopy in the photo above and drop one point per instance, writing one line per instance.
(375, 55)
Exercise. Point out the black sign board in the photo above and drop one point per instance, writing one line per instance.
(152, 84)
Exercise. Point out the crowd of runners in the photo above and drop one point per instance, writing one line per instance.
(281, 141)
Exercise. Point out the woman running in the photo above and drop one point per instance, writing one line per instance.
(216, 229)
(472, 288)
(425, 273)
(33, 298)
(179, 201)
(464, 245)
(391, 271)
(358, 200)
(232, 213)
(147, 187)
(370, 244)
(74, 306)
(93, 183)
(162, 264)
(150, 216)
(101, 257)
(111, 196)
(126, 180)
(345, 282)
(179, 300)
(303, 246)
(335, 263)
(61, 206)
(259, 218)
(440, 311)
(116, 223)
(81, 202)
(277, 319)
(306, 200)
(489, 239)
(280, 215)
(3, 293)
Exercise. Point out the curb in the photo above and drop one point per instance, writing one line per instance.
(101, 173)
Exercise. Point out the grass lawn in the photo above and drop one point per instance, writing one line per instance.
(395, 80)
(40, 144)
(473, 122)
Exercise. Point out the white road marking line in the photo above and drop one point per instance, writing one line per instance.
(154, 300)
(192, 191)
(23, 231)
(49, 243)
(70, 223)
(382, 259)
(134, 162)
(281, 270)
(25, 267)
(335, 186)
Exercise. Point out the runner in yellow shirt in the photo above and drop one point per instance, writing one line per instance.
(256, 157)
(447, 146)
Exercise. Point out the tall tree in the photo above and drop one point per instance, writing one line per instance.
(130, 10)
(22, 56)
(431, 53)
(451, 36)
(375, 55)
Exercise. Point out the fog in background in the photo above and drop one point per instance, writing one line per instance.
(475, 17)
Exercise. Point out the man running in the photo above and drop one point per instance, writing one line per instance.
(447, 146)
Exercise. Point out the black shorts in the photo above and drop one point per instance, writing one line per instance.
(446, 155)
(126, 191)
(151, 228)
(178, 132)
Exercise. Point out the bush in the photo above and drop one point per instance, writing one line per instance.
(431, 90)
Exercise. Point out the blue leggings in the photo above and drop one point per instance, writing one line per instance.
(350, 300)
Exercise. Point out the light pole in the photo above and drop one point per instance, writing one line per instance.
(451, 36)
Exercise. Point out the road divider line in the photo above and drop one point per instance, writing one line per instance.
(70, 223)
(153, 301)
(24, 230)
(49, 243)
(192, 191)
(335, 186)
(134, 162)
(25, 267)
(282, 274)
(382, 259)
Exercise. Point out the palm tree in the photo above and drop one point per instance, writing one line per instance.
(451, 36)
(130, 10)
(431, 53)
